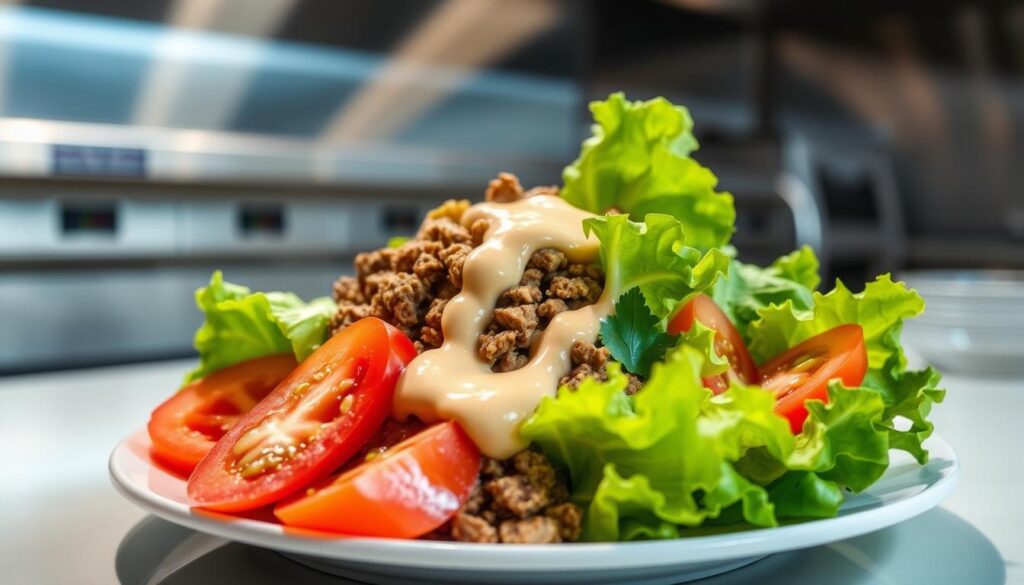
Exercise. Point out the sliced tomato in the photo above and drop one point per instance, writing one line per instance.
(315, 420)
(408, 491)
(390, 434)
(803, 372)
(728, 342)
(185, 427)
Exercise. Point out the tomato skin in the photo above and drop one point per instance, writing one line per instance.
(728, 341)
(369, 352)
(803, 372)
(413, 489)
(187, 425)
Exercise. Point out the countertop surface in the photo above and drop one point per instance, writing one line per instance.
(62, 522)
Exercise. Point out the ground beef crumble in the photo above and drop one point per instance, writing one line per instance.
(590, 361)
(410, 285)
(521, 499)
(549, 285)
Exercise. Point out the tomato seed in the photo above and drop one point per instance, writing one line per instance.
(346, 403)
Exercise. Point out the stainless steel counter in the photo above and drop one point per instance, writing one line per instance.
(62, 522)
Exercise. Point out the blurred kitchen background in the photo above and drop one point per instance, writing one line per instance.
(144, 143)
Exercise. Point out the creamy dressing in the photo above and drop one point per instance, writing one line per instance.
(452, 382)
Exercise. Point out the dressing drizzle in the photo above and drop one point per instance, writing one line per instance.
(452, 382)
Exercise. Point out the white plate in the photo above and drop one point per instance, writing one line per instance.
(905, 490)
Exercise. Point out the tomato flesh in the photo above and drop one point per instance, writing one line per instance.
(728, 342)
(314, 420)
(413, 488)
(803, 372)
(185, 427)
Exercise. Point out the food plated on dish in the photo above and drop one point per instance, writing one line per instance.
(590, 362)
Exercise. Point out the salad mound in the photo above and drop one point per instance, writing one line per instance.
(649, 380)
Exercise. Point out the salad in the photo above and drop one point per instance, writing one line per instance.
(587, 362)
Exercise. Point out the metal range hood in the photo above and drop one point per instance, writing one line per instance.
(33, 148)
(210, 92)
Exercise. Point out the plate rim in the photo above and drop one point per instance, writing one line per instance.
(440, 555)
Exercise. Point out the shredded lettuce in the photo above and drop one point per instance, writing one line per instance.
(656, 256)
(638, 161)
(242, 325)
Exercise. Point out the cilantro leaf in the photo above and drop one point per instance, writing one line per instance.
(634, 336)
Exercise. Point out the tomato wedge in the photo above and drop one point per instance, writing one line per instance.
(802, 373)
(314, 421)
(185, 427)
(728, 342)
(410, 490)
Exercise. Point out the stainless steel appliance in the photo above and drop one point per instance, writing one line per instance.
(143, 145)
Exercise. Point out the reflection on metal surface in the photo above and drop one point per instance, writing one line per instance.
(806, 215)
(6, 26)
(461, 36)
(91, 316)
(194, 155)
(220, 67)
(161, 100)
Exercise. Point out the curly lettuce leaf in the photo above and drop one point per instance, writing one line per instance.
(241, 325)
(879, 309)
(702, 338)
(804, 494)
(654, 255)
(748, 288)
(799, 266)
(844, 443)
(638, 161)
(303, 324)
(664, 458)
(843, 440)
(908, 396)
(676, 456)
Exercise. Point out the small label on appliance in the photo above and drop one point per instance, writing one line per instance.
(98, 161)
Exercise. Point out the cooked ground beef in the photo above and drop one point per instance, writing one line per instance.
(410, 285)
(590, 361)
(549, 285)
(519, 500)
(506, 188)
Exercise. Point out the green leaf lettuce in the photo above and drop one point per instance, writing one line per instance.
(880, 310)
(654, 255)
(749, 288)
(675, 456)
(241, 325)
(638, 161)
(643, 465)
